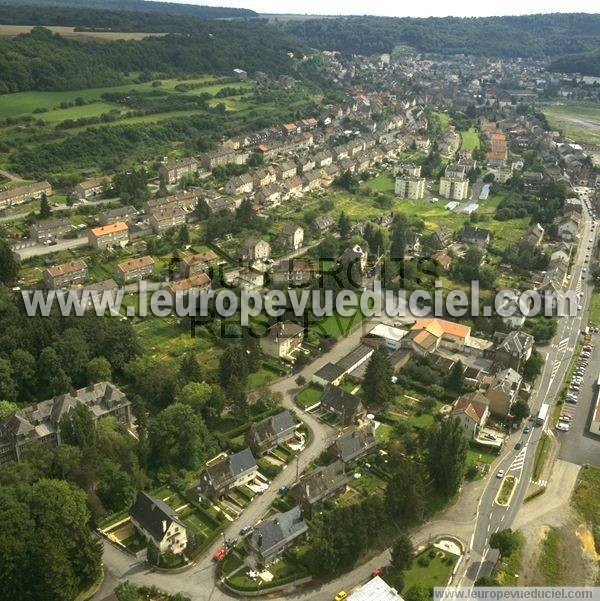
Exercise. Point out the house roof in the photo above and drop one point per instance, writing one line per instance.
(230, 467)
(153, 515)
(330, 372)
(321, 482)
(440, 327)
(138, 263)
(271, 427)
(341, 401)
(474, 404)
(280, 528)
(199, 280)
(112, 228)
(352, 444)
(66, 268)
(375, 590)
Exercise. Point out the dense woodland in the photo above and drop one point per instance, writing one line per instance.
(534, 36)
(45, 61)
(145, 6)
(587, 63)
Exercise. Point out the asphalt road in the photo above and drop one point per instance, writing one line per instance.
(492, 517)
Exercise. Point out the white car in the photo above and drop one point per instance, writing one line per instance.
(563, 427)
(500, 474)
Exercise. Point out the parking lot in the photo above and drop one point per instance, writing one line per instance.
(578, 445)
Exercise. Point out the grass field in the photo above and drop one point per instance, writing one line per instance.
(469, 139)
(430, 572)
(82, 36)
(595, 308)
(579, 121)
(24, 103)
(309, 396)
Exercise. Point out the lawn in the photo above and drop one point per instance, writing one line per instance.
(264, 376)
(430, 572)
(384, 432)
(309, 396)
(336, 326)
(469, 139)
(507, 488)
(579, 121)
(551, 562)
(595, 309)
(541, 453)
(586, 495)
(197, 522)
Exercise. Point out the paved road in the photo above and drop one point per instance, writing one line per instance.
(492, 517)
(40, 249)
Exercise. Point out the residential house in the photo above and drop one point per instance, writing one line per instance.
(191, 264)
(533, 180)
(353, 445)
(227, 472)
(286, 170)
(239, 184)
(568, 228)
(249, 279)
(324, 223)
(454, 188)
(270, 432)
(294, 186)
(323, 158)
(346, 406)
(254, 249)
(456, 170)
(503, 391)
(428, 334)
(66, 274)
(330, 373)
(197, 283)
(170, 172)
(158, 522)
(443, 259)
(167, 217)
(282, 340)
(407, 170)
(443, 237)
(375, 589)
(472, 411)
(475, 235)
(50, 229)
(513, 349)
(91, 188)
(134, 269)
(23, 194)
(311, 181)
(293, 273)
(264, 177)
(269, 195)
(126, 214)
(115, 234)
(319, 485)
(41, 421)
(275, 534)
(292, 236)
(534, 236)
(355, 255)
(411, 187)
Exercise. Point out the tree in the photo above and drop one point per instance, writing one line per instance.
(533, 366)
(520, 410)
(417, 592)
(402, 553)
(153, 553)
(328, 248)
(127, 592)
(26, 376)
(98, 370)
(190, 369)
(506, 541)
(399, 237)
(45, 210)
(9, 265)
(343, 225)
(51, 376)
(178, 438)
(447, 456)
(486, 581)
(233, 365)
(74, 352)
(456, 377)
(78, 428)
(7, 409)
(405, 494)
(8, 388)
(377, 384)
(115, 490)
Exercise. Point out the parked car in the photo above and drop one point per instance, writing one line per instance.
(245, 529)
(341, 596)
(563, 427)
(283, 489)
(220, 553)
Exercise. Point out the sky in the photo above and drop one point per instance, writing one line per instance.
(397, 8)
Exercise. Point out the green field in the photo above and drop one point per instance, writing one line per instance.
(24, 103)
(309, 396)
(579, 121)
(428, 571)
(595, 309)
(469, 139)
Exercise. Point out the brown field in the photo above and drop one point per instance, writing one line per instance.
(69, 32)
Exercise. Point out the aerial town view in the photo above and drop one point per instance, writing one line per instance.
(299, 300)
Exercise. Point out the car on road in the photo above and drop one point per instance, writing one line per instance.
(519, 446)
(245, 530)
(341, 596)
(527, 430)
(220, 553)
(283, 489)
(500, 474)
(564, 417)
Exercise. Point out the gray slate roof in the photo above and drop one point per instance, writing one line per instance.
(281, 528)
(150, 513)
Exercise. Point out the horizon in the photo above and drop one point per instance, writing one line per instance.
(389, 8)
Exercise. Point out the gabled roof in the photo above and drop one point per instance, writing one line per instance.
(320, 483)
(271, 427)
(281, 528)
(153, 515)
(341, 401)
(474, 404)
(354, 443)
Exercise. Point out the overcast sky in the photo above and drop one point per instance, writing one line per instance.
(397, 8)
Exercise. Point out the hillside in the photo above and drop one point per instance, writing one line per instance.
(146, 6)
(45, 61)
(587, 63)
(533, 36)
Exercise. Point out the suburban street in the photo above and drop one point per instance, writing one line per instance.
(491, 516)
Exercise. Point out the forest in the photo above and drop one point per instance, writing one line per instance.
(587, 63)
(42, 60)
(534, 36)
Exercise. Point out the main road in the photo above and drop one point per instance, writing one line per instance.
(492, 517)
